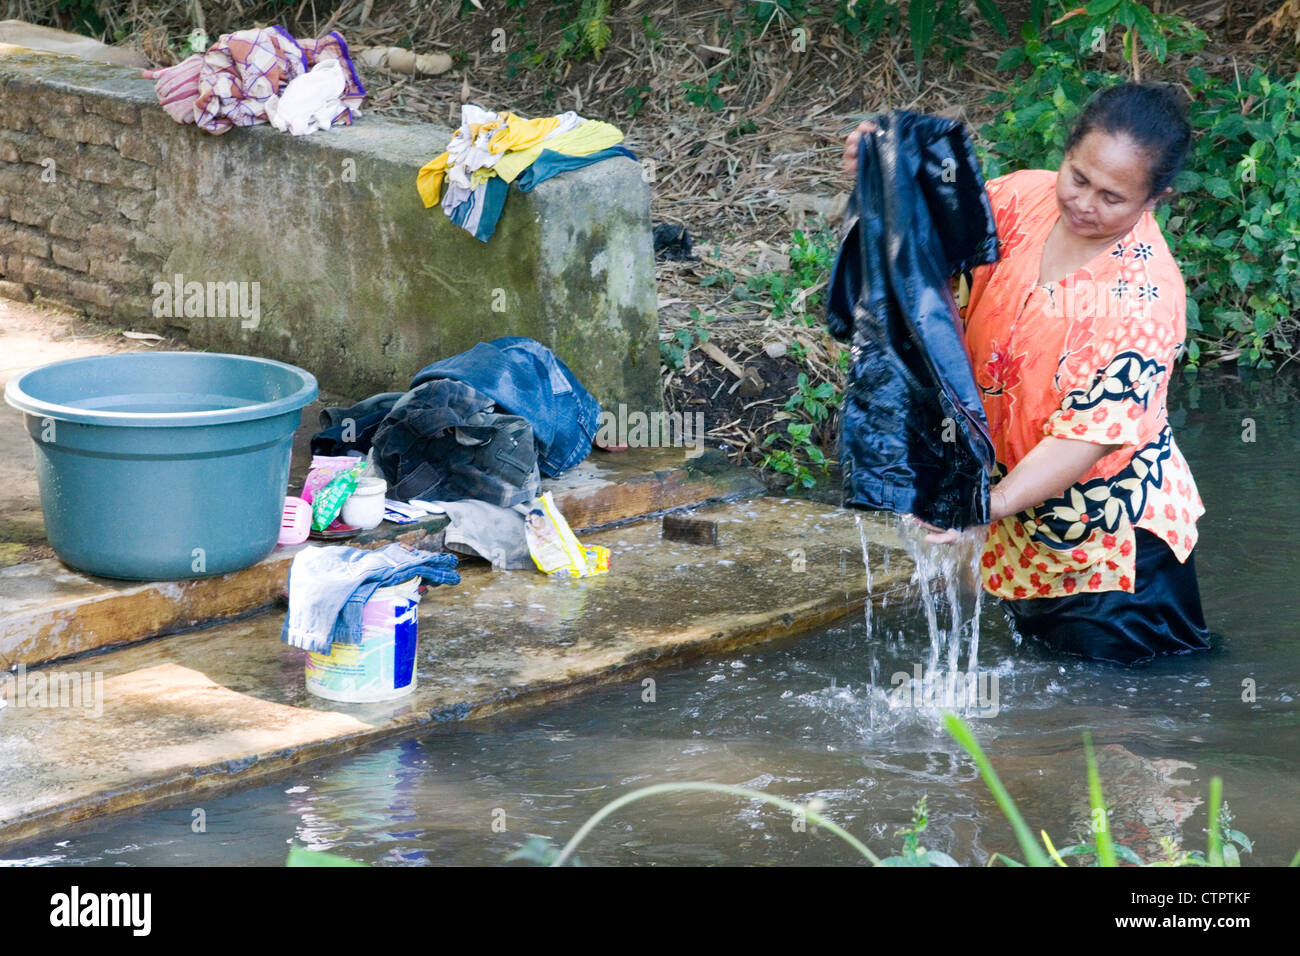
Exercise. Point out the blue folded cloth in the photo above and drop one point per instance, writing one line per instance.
(329, 587)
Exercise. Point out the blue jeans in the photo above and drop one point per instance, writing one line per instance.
(525, 378)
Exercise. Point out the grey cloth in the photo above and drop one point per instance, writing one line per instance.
(488, 531)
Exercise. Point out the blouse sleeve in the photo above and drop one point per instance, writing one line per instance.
(1114, 389)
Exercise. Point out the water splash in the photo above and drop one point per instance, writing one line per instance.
(949, 597)
(948, 579)
(866, 564)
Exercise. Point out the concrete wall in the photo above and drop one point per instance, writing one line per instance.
(341, 269)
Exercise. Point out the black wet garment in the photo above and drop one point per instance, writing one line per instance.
(1162, 616)
(915, 438)
(443, 441)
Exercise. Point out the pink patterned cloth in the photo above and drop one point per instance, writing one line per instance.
(178, 87)
(230, 84)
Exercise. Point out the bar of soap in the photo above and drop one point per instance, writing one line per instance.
(690, 530)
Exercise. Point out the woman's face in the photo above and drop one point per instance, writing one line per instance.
(1102, 185)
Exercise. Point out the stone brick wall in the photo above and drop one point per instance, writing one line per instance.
(77, 185)
(104, 200)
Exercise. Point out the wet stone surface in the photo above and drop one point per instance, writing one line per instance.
(206, 709)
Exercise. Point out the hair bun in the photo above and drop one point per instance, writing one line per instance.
(1175, 94)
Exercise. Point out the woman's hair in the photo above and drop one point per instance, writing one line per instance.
(1150, 114)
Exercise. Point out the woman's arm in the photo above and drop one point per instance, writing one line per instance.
(1051, 466)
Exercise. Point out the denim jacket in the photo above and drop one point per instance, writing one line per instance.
(525, 378)
(915, 438)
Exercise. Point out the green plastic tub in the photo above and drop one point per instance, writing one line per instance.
(162, 465)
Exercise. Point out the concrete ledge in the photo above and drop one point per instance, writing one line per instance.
(49, 612)
(102, 196)
(228, 705)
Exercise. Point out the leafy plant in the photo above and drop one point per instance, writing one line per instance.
(587, 35)
(797, 288)
(1103, 848)
(867, 20)
(637, 96)
(913, 853)
(794, 459)
(674, 350)
(815, 401)
(1234, 222)
(1139, 25)
(928, 19)
(705, 94)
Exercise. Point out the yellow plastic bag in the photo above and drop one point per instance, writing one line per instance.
(554, 548)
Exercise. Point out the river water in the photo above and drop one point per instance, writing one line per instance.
(801, 719)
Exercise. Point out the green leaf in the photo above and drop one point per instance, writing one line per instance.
(1214, 847)
(299, 856)
(1127, 855)
(1105, 848)
(921, 17)
(1218, 187)
(1028, 845)
(993, 15)
(1012, 58)
(1078, 849)
(1243, 273)
(1099, 8)
(1241, 839)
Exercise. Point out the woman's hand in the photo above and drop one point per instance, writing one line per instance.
(937, 535)
(997, 511)
(851, 146)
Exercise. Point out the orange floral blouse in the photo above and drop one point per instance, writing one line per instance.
(1087, 358)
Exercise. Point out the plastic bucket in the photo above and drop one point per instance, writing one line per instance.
(162, 465)
(382, 666)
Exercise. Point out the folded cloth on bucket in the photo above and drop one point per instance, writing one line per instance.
(234, 81)
(329, 587)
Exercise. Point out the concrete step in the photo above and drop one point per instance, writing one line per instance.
(193, 713)
(49, 612)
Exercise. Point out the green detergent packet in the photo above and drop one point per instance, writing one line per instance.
(328, 502)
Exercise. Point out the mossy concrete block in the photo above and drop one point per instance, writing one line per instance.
(351, 277)
(358, 281)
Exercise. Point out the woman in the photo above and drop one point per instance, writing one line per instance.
(1072, 335)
